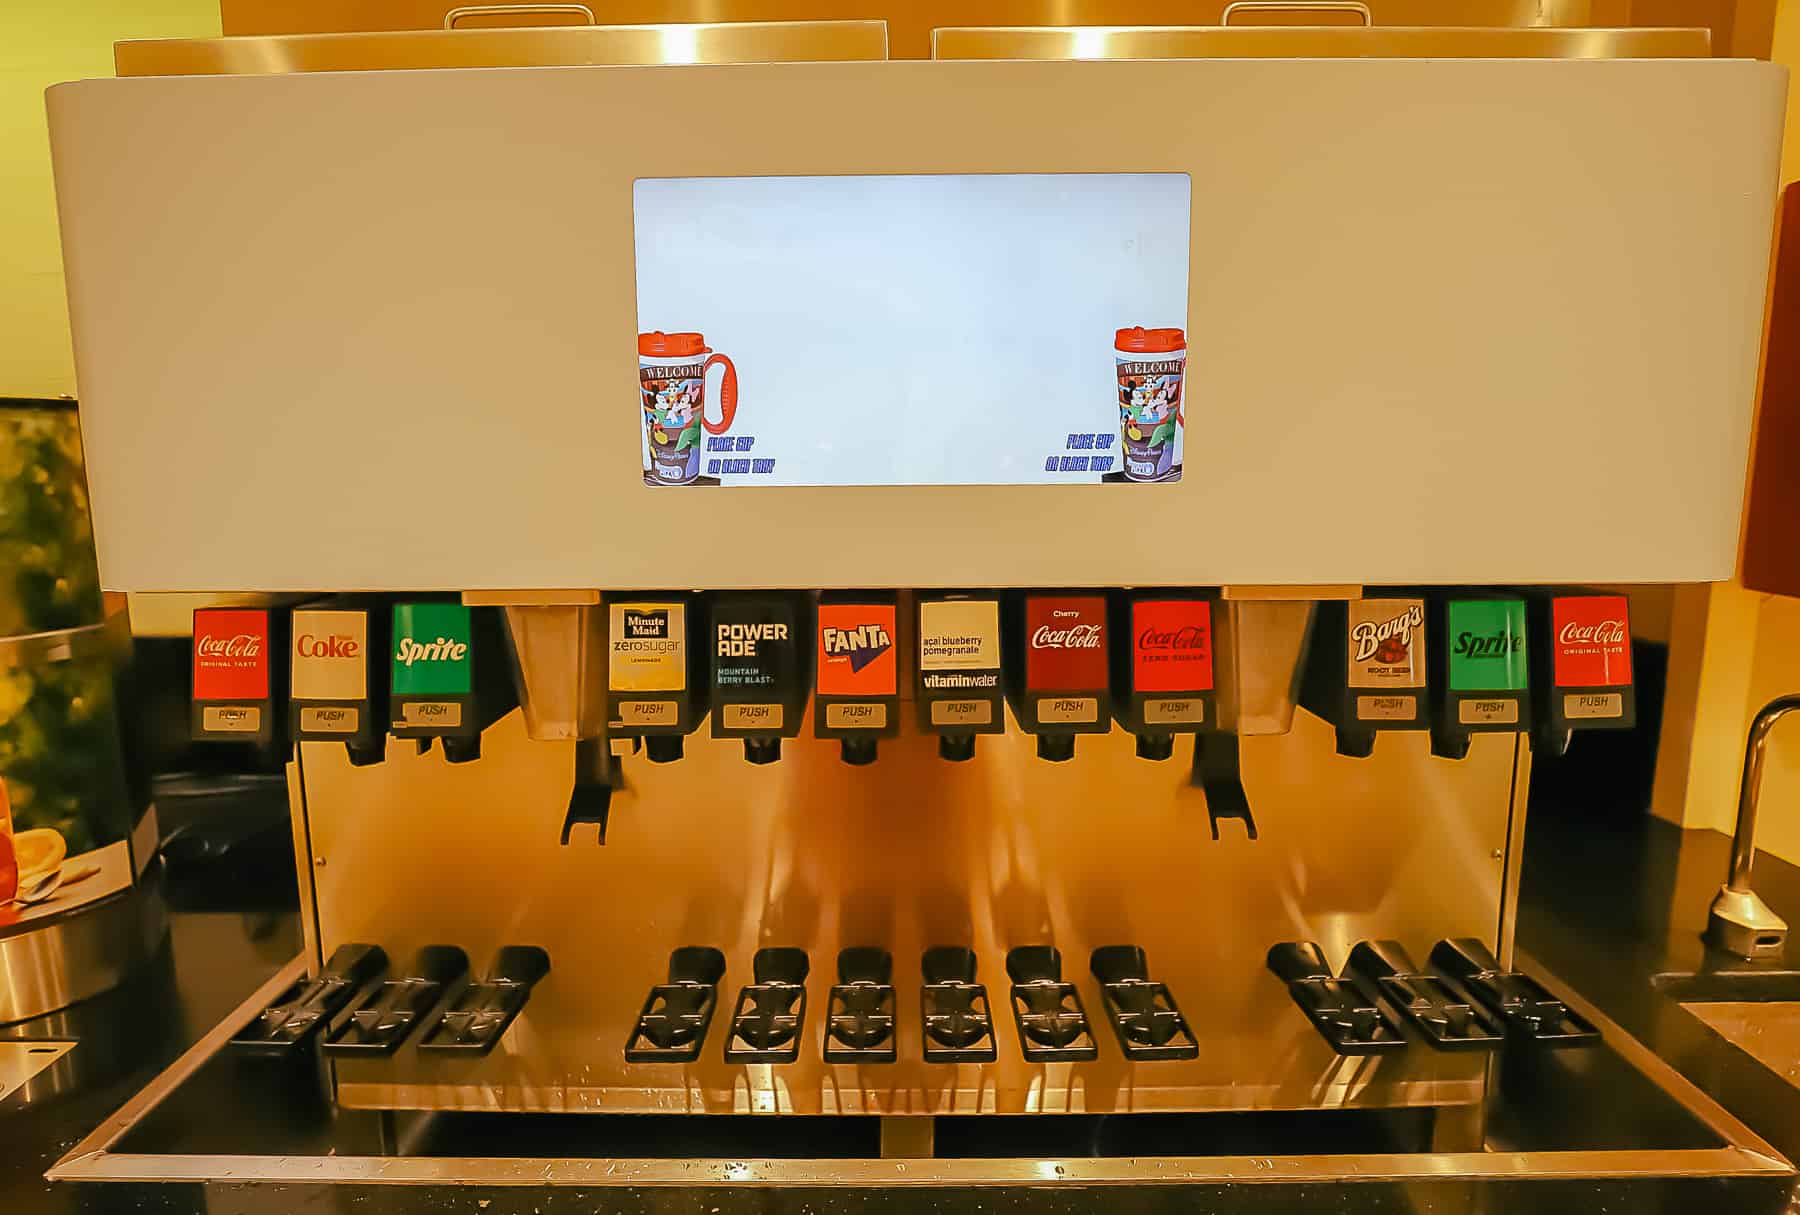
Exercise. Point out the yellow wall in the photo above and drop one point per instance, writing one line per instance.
(43, 42)
(1732, 650)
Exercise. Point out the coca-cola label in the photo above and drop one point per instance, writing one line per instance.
(231, 654)
(1065, 642)
(856, 650)
(331, 654)
(1591, 640)
(1171, 645)
(1387, 643)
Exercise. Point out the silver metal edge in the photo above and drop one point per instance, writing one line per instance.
(1658, 1071)
(1506, 932)
(94, 1146)
(1745, 1154)
(56, 645)
(1237, 1170)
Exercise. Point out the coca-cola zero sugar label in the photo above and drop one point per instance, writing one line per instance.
(1387, 643)
(1171, 645)
(1591, 640)
(1065, 642)
(231, 654)
(856, 655)
(331, 658)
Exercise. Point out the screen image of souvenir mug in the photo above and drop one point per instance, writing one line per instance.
(672, 371)
(1151, 366)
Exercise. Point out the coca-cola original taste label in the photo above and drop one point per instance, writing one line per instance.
(1591, 641)
(231, 654)
(1065, 642)
(1386, 643)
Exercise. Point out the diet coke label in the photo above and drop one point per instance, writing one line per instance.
(1592, 641)
(1066, 642)
(231, 654)
(331, 654)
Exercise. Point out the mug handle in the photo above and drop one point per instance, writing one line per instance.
(727, 396)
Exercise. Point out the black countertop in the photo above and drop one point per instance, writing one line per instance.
(1589, 912)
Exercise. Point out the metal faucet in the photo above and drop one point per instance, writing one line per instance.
(1740, 922)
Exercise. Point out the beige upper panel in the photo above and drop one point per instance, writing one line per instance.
(1460, 321)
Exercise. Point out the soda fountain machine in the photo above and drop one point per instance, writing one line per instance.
(1017, 584)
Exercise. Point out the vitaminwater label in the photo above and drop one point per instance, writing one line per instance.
(1171, 645)
(753, 649)
(646, 648)
(1591, 641)
(1487, 645)
(856, 649)
(431, 650)
(1065, 642)
(231, 654)
(331, 657)
(959, 645)
(1387, 643)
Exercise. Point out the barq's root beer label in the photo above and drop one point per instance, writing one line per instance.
(1387, 643)
(231, 654)
(856, 649)
(1386, 651)
(646, 648)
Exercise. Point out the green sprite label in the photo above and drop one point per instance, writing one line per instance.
(431, 649)
(1487, 645)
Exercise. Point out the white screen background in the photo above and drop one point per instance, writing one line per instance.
(915, 330)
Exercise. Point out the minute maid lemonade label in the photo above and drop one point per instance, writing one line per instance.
(646, 649)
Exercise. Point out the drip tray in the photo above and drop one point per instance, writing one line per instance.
(1612, 1111)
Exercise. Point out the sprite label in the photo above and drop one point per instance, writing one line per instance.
(1487, 645)
(431, 650)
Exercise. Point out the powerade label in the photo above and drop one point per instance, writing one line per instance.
(1171, 645)
(1487, 645)
(1590, 636)
(646, 648)
(431, 650)
(959, 645)
(753, 649)
(331, 658)
(1065, 644)
(856, 655)
(1387, 645)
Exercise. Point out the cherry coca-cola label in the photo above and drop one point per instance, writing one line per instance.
(231, 654)
(1065, 642)
(1171, 645)
(1591, 639)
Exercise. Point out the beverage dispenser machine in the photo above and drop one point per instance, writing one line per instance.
(923, 591)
